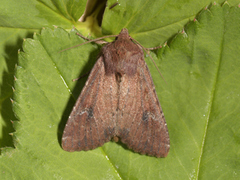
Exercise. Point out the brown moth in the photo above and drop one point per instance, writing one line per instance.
(118, 100)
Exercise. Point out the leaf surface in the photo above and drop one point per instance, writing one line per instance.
(200, 100)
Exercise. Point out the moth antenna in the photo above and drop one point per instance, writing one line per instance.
(83, 37)
(98, 42)
(154, 48)
(145, 49)
(82, 76)
(93, 40)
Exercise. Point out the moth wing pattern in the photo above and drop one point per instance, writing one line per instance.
(118, 100)
(86, 127)
(141, 121)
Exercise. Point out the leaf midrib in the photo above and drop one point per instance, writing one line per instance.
(213, 95)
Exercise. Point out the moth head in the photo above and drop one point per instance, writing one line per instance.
(123, 34)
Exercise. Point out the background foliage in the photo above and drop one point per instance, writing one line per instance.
(200, 98)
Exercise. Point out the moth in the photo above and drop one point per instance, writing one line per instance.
(118, 100)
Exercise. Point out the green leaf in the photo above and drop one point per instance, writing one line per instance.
(200, 100)
(151, 22)
(19, 20)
